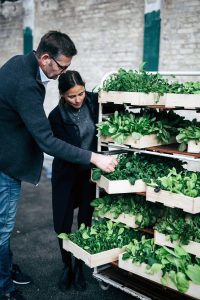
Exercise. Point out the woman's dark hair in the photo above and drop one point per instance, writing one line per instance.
(56, 43)
(68, 80)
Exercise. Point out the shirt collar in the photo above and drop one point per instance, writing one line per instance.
(43, 77)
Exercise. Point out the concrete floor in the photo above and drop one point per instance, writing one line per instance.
(34, 244)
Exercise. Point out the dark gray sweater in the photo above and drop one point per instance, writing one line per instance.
(25, 132)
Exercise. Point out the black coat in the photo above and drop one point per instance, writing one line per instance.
(70, 182)
(67, 130)
(25, 132)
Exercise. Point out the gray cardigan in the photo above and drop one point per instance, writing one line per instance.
(25, 131)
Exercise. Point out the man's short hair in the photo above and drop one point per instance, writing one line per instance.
(56, 43)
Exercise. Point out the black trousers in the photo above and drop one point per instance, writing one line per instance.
(68, 193)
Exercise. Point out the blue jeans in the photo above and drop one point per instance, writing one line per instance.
(9, 198)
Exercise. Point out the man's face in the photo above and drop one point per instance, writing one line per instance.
(53, 67)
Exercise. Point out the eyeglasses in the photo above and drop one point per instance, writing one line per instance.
(63, 68)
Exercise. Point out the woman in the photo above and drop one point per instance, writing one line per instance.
(73, 121)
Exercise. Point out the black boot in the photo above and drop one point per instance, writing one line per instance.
(79, 282)
(65, 280)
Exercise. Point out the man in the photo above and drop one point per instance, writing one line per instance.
(25, 134)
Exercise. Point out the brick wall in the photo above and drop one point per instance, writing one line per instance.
(180, 36)
(11, 25)
(108, 35)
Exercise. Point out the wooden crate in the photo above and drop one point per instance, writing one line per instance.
(92, 260)
(188, 204)
(128, 265)
(183, 100)
(193, 147)
(132, 98)
(145, 141)
(161, 239)
(123, 218)
(120, 186)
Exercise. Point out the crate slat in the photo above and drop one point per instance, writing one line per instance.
(193, 147)
(92, 260)
(122, 218)
(183, 100)
(188, 204)
(192, 247)
(132, 98)
(145, 141)
(120, 186)
(128, 265)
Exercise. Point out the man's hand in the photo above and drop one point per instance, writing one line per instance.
(106, 163)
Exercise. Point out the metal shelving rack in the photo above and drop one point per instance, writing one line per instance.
(110, 274)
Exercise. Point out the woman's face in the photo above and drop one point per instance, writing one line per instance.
(75, 96)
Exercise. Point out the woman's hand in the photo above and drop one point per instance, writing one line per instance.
(106, 163)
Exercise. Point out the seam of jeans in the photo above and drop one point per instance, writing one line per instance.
(9, 182)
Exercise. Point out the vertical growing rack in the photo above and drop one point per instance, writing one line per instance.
(111, 274)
